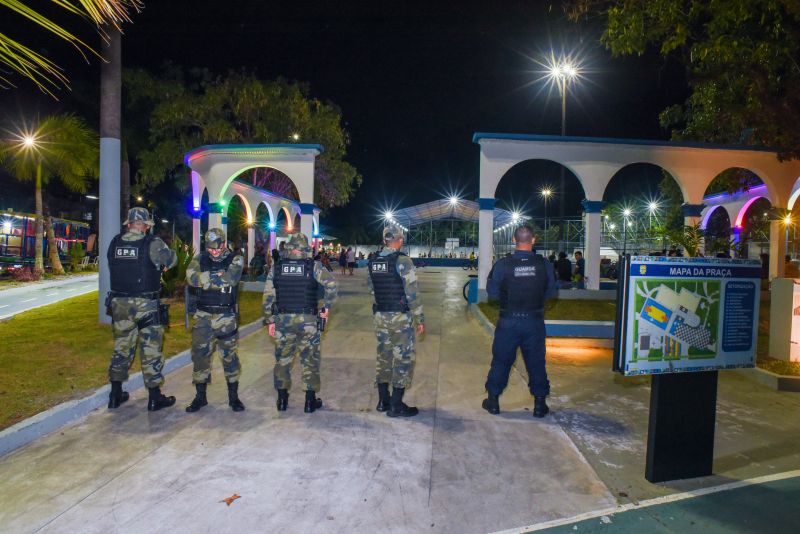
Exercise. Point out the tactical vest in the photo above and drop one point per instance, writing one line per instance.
(132, 272)
(296, 290)
(214, 300)
(524, 283)
(390, 295)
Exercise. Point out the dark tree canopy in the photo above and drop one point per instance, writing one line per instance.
(741, 58)
(195, 108)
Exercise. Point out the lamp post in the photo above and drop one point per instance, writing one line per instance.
(626, 223)
(562, 73)
(545, 193)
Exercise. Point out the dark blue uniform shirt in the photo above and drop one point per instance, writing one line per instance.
(496, 277)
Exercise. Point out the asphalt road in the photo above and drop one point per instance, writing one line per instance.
(19, 299)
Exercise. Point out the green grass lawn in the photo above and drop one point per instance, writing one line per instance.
(605, 310)
(60, 352)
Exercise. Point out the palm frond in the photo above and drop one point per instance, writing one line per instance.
(43, 72)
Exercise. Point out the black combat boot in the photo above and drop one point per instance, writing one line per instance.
(199, 399)
(398, 408)
(233, 397)
(283, 400)
(492, 404)
(312, 402)
(158, 400)
(540, 408)
(117, 396)
(384, 402)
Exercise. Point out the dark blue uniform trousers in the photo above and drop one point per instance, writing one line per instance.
(529, 335)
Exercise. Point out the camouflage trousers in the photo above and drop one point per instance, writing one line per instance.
(127, 314)
(215, 331)
(297, 333)
(396, 356)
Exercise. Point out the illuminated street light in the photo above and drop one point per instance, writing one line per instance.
(139, 198)
(626, 212)
(29, 141)
(612, 226)
(295, 136)
(787, 220)
(653, 207)
(92, 197)
(453, 200)
(514, 216)
(388, 215)
(165, 221)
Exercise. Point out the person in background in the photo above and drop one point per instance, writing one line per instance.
(564, 271)
(351, 259)
(580, 269)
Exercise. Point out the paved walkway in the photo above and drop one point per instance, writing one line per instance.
(454, 468)
(19, 299)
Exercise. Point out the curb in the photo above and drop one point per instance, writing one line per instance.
(771, 380)
(49, 421)
(557, 331)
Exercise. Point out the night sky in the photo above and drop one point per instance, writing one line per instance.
(414, 81)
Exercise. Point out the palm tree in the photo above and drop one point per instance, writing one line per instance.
(63, 147)
(25, 62)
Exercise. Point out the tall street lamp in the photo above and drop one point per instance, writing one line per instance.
(545, 193)
(626, 213)
(562, 73)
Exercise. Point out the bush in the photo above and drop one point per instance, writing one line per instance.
(174, 279)
(76, 255)
(26, 274)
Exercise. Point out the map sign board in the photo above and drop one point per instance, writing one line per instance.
(686, 314)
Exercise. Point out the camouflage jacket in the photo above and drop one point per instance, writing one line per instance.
(406, 270)
(215, 279)
(321, 275)
(160, 253)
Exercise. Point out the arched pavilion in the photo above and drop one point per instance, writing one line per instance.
(596, 160)
(215, 167)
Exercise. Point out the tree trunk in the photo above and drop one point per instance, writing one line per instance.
(108, 223)
(124, 186)
(39, 243)
(52, 249)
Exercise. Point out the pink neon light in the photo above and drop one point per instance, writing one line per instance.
(743, 211)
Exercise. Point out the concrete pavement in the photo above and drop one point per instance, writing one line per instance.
(454, 468)
(19, 299)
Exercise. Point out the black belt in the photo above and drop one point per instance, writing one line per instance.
(306, 311)
(400, 308)
(505, 314)
(152, 295)
(217, 309)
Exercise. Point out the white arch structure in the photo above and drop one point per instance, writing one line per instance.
(214, 168)
(595, 161)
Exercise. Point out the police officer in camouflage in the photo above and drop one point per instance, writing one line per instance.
(291, 309)
(521, 282)
(216, 274)
(136, 260)
(398, 319)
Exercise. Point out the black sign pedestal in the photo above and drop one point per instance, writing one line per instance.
(680, 436)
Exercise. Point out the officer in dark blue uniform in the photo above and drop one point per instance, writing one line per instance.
(522, 282)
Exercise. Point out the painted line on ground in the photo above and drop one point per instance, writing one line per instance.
(58, 416)
(27, 300)
(42, 304)
(675, 497)
(4, 306)
(51, 294)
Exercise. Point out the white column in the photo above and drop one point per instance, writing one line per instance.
(777, 249)
(592, 251)
(485, 229)
(196, 235)
(251, 243)
(307, 219)
(109, 224)
(273, 240)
